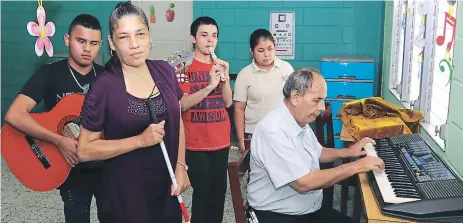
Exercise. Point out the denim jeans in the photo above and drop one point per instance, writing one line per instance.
(77, 203)
(248, 156)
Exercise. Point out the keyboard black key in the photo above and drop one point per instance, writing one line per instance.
(417, 179)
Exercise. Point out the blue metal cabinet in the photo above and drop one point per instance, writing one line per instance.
(338, 143)
(347, 79)
(348, 68)
(337, 125)
(344, 89)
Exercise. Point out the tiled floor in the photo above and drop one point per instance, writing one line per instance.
(21, 205)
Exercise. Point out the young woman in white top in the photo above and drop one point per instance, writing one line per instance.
(259, 86)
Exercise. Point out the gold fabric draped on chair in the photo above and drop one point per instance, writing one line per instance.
(376, 118)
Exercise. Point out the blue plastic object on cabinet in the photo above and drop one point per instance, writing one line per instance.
(347, 79)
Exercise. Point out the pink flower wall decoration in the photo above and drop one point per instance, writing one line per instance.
(43, 31)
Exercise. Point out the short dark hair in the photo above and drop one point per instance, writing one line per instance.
(85, 20)
(258, 35)
(203, 20)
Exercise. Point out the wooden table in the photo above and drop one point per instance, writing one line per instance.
(372, 212)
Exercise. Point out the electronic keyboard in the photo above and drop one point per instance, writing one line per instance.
(415, 183)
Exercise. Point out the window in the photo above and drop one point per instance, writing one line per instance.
(397, 51)
(418, 53)
(421, 59)
(443, 65)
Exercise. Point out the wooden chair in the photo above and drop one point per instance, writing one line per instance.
(326, 120)
(322, 123)
(235, 169)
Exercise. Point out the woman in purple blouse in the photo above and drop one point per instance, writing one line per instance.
(117, 128)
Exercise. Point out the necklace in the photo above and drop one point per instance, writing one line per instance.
(86, 86)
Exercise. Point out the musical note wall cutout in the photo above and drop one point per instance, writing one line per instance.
(441, 39)
(450, 66)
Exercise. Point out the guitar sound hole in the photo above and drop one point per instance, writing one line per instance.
(71, 130)
(69, 126)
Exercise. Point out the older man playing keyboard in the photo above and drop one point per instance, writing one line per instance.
(285, 179)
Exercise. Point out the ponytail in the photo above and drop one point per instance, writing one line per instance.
(113, 63)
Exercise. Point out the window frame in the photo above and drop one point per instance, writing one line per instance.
(401, 91)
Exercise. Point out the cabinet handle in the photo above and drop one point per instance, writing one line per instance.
(347, 77)
(345, 97)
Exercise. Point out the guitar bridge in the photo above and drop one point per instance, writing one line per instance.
(38, 152)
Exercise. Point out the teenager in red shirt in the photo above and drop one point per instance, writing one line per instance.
(206, 123)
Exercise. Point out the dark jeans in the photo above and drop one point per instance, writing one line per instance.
(157, 215)
(325, 215)
(248, 156)
(247, 135)
(208, 176)
(77, 203)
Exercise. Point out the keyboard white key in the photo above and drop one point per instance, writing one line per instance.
(385, 187)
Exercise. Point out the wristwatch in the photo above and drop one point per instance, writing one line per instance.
(184, 165)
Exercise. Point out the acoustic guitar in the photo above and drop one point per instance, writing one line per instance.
(39, 165)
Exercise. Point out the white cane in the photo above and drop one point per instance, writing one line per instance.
(169, 166)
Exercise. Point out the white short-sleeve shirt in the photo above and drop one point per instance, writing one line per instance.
(261, 90)
(282, 152)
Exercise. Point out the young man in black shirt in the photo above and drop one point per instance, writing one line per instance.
(51, 83)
